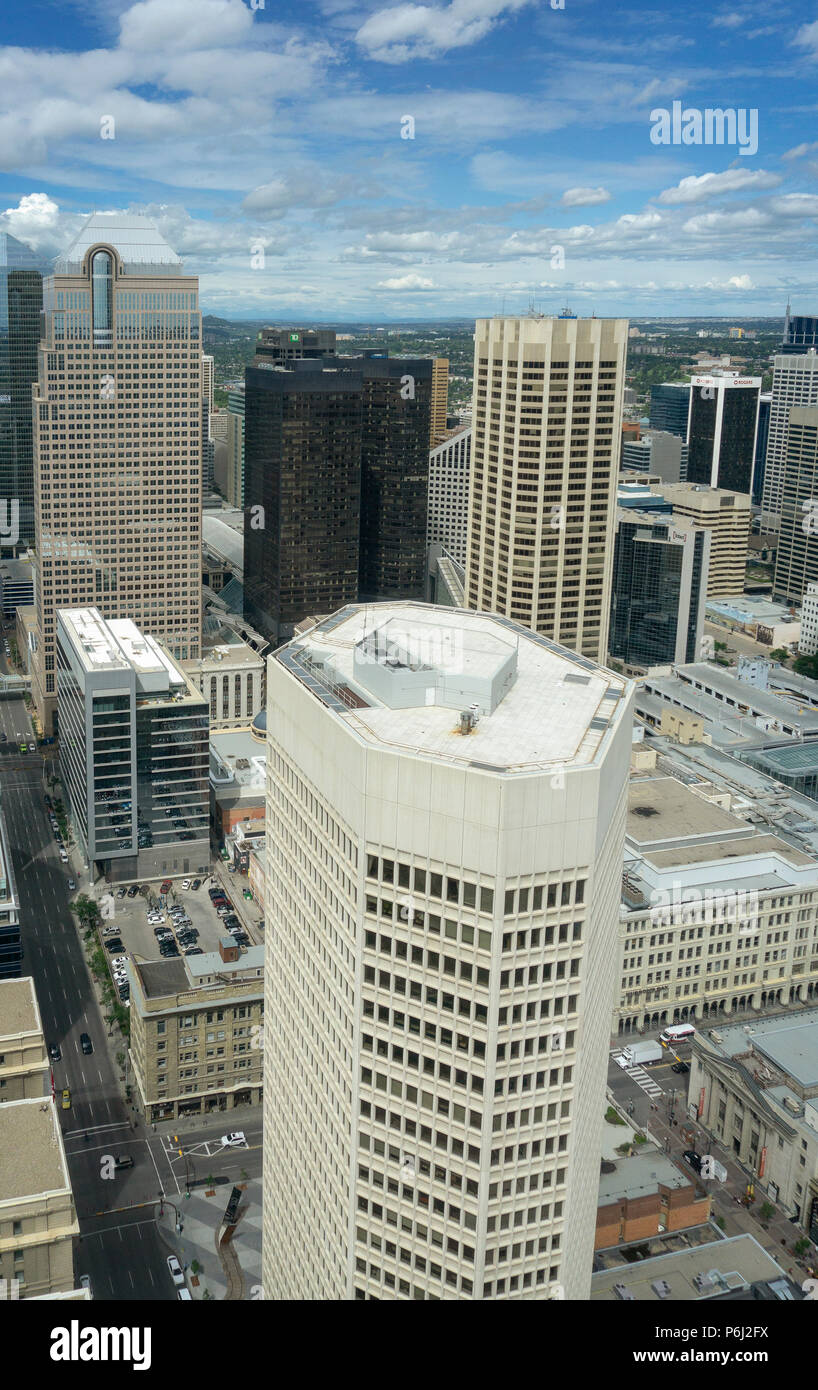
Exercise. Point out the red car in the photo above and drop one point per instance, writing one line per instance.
(166, 886)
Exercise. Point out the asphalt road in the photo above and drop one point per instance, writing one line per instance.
(14, 721)
(121, 1251)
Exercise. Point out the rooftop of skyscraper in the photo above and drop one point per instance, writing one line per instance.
(470, 688)
(138, 242)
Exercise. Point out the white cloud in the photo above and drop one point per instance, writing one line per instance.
(697, 188)
(735, 282)
(584, 197)
(406, 282)
(158, 25)
(807, 37)
(403, 32)
(36, 221)
(799, 150)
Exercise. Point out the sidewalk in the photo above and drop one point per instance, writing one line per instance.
(232, 1272)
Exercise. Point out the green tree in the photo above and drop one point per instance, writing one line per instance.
(779, 654)
(806, 666)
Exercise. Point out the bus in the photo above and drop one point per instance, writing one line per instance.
(677, 1033)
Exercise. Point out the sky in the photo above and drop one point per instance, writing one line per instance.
(351, 159)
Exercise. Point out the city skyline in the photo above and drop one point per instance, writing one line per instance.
(377, 160)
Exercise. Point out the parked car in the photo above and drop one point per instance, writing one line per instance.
(120, 892)
(133, 890)
(86, 1044)
(115, 944)
(63, 855)
(194, 951)
(72, 887)
(234, 1140)
(166, 886)
(196, 884)
(124, 1161)
(175, 1270)
(54, 1052)
(680, 1068)
(118, 960)
(184, 1295)
(185, 884)
(690, 1156)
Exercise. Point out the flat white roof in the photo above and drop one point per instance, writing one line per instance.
(555, 712)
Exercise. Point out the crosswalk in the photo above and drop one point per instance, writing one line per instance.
(640, 1076)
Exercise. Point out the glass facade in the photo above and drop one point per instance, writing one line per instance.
(647, 595)
(800, 334)
(669, 404)
(736, 430)
(21, 302)
(172, 789)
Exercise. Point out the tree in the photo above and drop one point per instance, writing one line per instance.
(767, 1211)
(801, 1246)
(779, 654)
(806, 666)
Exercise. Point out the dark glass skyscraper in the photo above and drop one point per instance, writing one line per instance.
(336, 469)
(669, 405)
(21, 302)
(722, 431)
(302, 493)
(759, 467)
(658, 594)
(800, 334)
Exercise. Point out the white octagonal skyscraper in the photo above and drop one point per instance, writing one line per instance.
(445, 814)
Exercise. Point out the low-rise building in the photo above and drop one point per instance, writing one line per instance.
(238, 764)
(757, 1090)
(736, 1267)
(718, 916)
(24, 1066)
(230, 675)
(644, 1195)
(38, 1220)
(16, 585)
(196, 1031)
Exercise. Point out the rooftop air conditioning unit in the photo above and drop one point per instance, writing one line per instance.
(661, 1288)
(622, 1292)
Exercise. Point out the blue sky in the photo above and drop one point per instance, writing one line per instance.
(279, 129)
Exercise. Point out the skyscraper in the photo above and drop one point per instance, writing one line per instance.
(721, 431)
(302, 494)
(800, 334)
(277, 346)
(545, 460)
(118, 441)
(21, 302)
(445, 811)
(670, 407)
(448, 516)
(395, 427)
(762, 439)
(796, 559)
(727, 516)
(659, 589)
(440, 400)
(795, 383)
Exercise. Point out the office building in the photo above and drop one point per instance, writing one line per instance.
(235, 443)
(721, 431)
(195, 1029)
(237, 778)
(133, 749)
(795, 384)
(762, 437)
(229, 674)
(11, 947)
(800, 334)
(228, 455)
(658, 452)
(395, 429)
(38, 1219)
(727, 1269)
(758, 1096)
(25, 1070)
(445, 819)
(727, 516)
(730, 905)
(118, 442)
(808, 640)
(208, 381)
(302, 493)
(796, 559)
(16, 585)
(670, 407)
(659, 587)
(21, 302)
(448, 514)
(545, 461)
(276, 347)
(336, 485)
(440, 400)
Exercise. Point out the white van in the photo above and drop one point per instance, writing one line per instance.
(677, 1033)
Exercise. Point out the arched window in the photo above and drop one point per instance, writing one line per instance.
(103, 297)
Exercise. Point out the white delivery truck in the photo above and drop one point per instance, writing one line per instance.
(641, 1054)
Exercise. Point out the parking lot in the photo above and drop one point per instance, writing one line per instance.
(130, 916)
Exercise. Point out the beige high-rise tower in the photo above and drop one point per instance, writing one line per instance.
(440, 400)
(445, 826)
(118, 441)
(545, 459)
